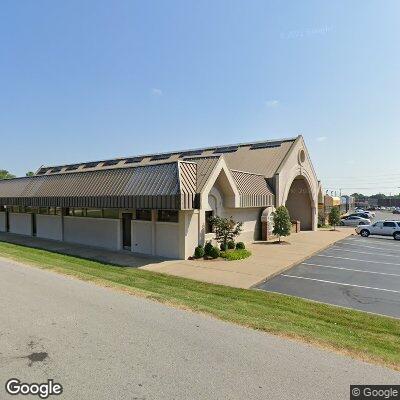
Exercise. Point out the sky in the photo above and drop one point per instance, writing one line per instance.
(93, 79)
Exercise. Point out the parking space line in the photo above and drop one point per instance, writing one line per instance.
(369, 247)
(386, 240)
(355, 259)
(350, 269)
(387, 243)
(336, 248)
(340, 284)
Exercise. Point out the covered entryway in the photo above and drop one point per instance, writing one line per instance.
(299, 203)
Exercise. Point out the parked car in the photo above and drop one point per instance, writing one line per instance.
(355, 220)
(381, 228)
(365, 214)
(396, 211)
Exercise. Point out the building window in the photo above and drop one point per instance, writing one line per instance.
(111, 213)
(168, 216)
(78, 212)
(208, 226)
(94, 213)
(143, 215)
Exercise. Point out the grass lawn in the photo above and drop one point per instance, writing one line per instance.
(364, 336)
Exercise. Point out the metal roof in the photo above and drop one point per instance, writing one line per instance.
(253, 189)
(161, 186)
(261, 157)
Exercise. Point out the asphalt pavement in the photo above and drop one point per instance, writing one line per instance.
(103, 344)
(359, 273)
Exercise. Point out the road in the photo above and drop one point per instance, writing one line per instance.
(103, 344)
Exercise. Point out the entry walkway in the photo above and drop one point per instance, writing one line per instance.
(123, 258)
(268, 260)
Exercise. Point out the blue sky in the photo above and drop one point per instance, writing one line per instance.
(83, 80)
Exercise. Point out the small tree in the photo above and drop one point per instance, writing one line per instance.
(225, 229)
(282, 224)
(30, 173)
(334, 217)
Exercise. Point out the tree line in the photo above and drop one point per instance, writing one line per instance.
(4, 174)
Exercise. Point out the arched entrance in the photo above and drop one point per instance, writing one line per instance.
(299, 203)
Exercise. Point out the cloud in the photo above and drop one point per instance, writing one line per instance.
(321, 138)
(272, 103)
(156, 92)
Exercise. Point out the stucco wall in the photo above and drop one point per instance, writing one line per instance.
(167, 239)
(49, 226)
(21, 223)
(142, 237)
(251, 222)
(188, 233)
(2, 221)
(99, 232)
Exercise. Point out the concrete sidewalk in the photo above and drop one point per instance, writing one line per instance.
(268, 260)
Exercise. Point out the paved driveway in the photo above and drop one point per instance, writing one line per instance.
(103, 344)
(359, 273)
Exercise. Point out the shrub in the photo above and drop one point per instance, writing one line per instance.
(231, 244)
(223, 246)
(208, 249)
(215, 253)
(199, 252)
(236, 254)
(240, 246)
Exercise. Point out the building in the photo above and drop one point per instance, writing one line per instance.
(159, 204)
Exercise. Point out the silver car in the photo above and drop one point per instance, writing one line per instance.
(381, 228)
(354, 220)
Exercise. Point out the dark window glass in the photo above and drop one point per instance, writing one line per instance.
(93, 213)
(133, 160)
(389, 224)
(168, 216)
(78, 212)
(91, 165)
(72, 167)
(110, 162)
(143, 215)
(160, 157)
(208, 226)
(56, 169)
(111, 213)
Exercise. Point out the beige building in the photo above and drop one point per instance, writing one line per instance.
(159, 204)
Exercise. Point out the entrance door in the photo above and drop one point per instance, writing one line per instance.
(126, 230)
(33, 224)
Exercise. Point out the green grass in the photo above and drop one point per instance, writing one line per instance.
(237, 254)
(365, 336)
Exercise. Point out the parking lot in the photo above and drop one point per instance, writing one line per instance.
(359, 273)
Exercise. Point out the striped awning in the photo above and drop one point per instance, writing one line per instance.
(161, 186)
(253, 189)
